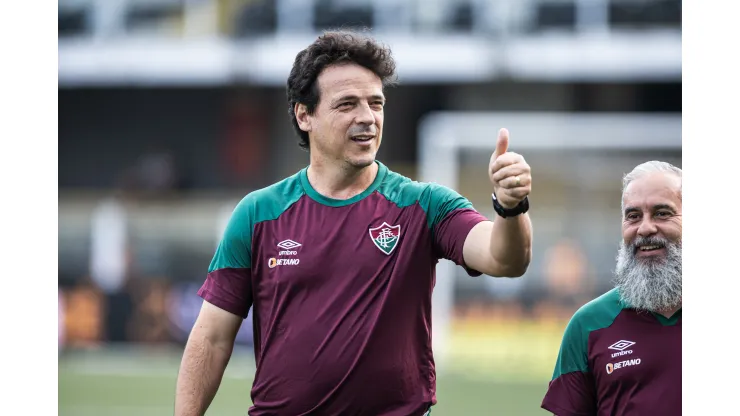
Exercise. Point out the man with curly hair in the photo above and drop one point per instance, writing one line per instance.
(338, 260)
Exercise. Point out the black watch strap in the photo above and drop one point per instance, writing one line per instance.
(510, 212)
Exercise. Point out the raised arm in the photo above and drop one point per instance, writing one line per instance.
(504, 247)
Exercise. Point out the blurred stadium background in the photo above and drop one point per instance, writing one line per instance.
(171, 110)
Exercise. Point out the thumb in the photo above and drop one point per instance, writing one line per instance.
(502, 144)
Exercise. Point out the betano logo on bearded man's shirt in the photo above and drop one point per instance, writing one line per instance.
(613, 356)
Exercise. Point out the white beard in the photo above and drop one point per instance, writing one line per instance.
(649, 284)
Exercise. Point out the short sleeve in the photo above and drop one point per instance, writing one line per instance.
(228, 283)
(572, 391)
(451, 218)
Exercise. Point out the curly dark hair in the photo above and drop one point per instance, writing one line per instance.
(328, 49)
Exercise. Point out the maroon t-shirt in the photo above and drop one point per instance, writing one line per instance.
(617, 361)
(341, 292)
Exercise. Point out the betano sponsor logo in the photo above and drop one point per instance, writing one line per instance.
(612, 367)
(273, 262)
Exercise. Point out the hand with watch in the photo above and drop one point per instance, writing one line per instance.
(511, 177)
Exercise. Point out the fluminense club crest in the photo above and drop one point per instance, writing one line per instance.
(385, 237)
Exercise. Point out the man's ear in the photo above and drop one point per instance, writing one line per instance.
(302, 117)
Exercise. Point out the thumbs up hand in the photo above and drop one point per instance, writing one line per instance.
(510, 174)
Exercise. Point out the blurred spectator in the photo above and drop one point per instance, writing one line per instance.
(148, 323)
(60, 319)
(84, 309)
(244, 150)
(109, 264)
(568, 280)
(183, 305)
(109, 245)
(566, 270)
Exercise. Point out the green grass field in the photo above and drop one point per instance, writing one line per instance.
(139, 382)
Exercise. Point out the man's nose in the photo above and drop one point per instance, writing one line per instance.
(647, 227)
(365, 114)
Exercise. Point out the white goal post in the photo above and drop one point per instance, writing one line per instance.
(442, 135)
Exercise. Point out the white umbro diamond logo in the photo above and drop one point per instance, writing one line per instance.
(288, 244)
(621, 345)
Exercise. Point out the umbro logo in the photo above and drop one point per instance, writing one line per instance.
(288, 244)
(621, 345)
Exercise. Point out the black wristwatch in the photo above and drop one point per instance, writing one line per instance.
(521, 208)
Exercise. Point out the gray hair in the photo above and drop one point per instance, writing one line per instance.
(646, 168)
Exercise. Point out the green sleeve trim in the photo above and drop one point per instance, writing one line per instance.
(235, 248)
(597, 314)
(442, 201)
(436, 200)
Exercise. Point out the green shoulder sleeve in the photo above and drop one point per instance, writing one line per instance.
(440, 201)
(235, 247)
(597, 314)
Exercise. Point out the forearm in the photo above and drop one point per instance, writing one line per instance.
(511, 244)
(200, 375)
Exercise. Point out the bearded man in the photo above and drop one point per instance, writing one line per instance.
(621, 352)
